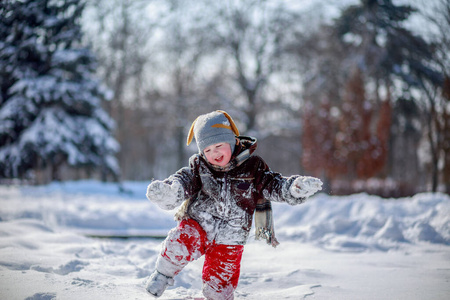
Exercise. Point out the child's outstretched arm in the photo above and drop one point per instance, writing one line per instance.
(171, 192)
(292, 190)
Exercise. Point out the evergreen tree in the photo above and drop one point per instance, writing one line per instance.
(388, 51)
(50, 103)
(383, 46)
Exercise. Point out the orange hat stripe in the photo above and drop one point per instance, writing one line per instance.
(233, 125)
(222, 126)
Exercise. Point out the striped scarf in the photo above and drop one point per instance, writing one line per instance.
(264, 222)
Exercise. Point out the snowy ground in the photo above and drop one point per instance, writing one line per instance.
(354, 247)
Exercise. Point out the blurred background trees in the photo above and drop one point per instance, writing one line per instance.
(356, 93)
(381, 66)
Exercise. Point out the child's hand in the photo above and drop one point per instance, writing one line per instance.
(305, 186)
(163, 194)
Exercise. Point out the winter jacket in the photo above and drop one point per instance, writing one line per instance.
(223, 200)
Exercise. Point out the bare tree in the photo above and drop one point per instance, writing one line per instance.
(251, 37)
(437, 93)
(231, 57)
(119, 31)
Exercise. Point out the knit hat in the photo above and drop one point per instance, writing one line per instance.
(215, 127)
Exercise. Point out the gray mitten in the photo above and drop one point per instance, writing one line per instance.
(165, 195)
(305, 186)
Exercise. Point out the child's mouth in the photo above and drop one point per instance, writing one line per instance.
(219, 159)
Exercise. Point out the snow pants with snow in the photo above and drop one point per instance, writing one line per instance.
(221, 268)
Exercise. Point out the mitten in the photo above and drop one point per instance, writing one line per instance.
(305, 186)
(165, 195)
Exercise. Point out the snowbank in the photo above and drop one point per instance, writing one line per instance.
(360, 222)
(88, 207)
(350, 223)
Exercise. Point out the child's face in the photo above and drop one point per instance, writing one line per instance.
(218, 154)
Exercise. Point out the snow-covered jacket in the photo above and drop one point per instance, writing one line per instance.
(223, 200)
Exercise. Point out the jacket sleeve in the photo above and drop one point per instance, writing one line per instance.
(275, 187)
(188, 177)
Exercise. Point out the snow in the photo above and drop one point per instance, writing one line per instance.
(347, 247)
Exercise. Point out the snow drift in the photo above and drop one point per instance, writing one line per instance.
(356, 222)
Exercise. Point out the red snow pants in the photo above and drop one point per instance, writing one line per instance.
(221, 268)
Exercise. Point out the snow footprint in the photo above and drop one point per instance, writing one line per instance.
(42, 296)
(71, 266)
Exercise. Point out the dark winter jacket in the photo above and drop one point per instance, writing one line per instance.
(223, 200)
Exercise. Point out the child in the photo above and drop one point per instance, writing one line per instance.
(221, 189)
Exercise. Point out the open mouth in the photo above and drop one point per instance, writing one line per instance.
(219, 159)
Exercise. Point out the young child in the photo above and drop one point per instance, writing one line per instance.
(221, 189)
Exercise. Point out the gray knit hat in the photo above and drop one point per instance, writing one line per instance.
(215, 127)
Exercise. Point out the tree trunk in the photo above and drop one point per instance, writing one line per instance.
(434, 155)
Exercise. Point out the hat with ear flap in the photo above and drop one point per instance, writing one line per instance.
(212, 128)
